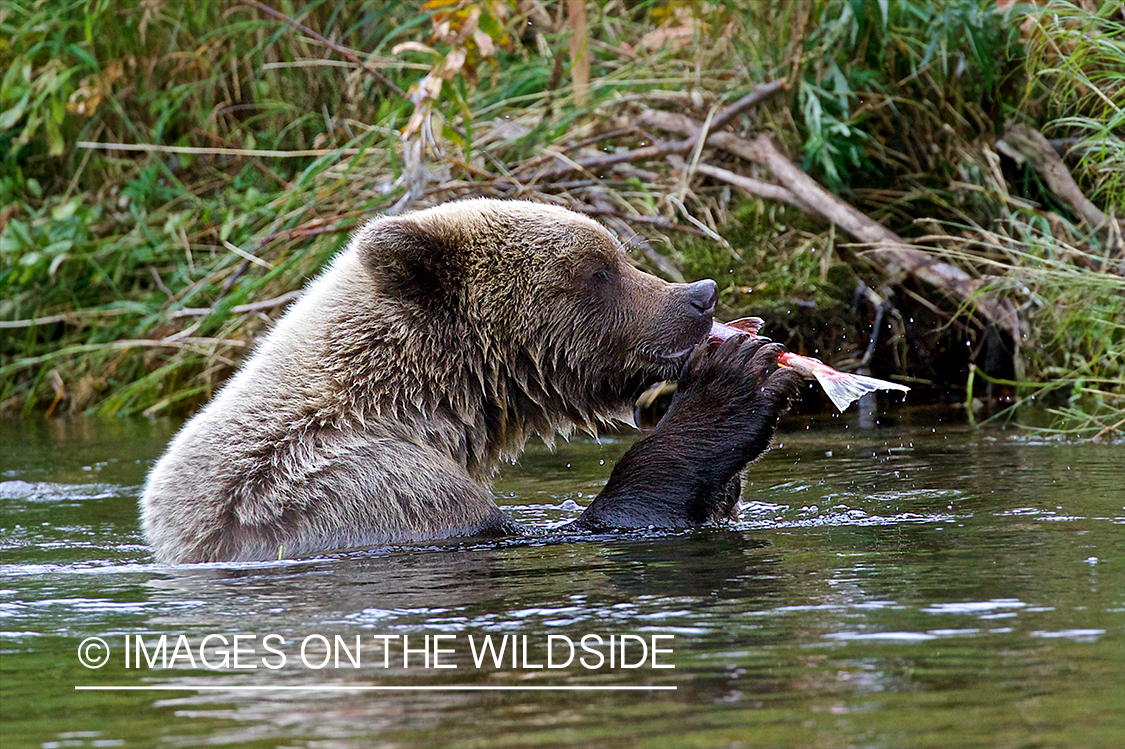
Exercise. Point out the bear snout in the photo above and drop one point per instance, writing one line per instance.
(703, 296)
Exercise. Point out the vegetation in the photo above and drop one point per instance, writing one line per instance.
(171, 172)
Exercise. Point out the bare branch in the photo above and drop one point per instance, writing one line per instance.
(660, 150)
(754, 187)
(240, 309)
(887, 251)
(1024, 143)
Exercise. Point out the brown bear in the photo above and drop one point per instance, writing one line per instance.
(434, 346)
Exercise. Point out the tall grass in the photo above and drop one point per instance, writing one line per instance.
(133, 282)
(115, 245)
(1070, 280)
(1076, 82)
(1070, 358)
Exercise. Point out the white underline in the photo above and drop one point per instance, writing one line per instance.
(354, 688)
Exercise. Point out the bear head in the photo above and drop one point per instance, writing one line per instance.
(527, 316)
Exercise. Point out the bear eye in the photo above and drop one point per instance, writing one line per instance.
(601, 275)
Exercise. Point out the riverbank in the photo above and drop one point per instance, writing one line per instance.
(874, 184)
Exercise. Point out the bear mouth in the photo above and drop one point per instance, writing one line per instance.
(668, 362)
(668, 356)
(681, 355)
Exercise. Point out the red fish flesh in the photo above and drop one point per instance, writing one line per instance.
(842, 388)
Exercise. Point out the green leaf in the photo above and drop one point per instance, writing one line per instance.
(9, 242)
(58, 248)
(20, 232)
(55, 143)
(10, 117)
(34, 119)
(490, 26)
(450, 134)
(66, 210)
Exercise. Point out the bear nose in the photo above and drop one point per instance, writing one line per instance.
(703, 295)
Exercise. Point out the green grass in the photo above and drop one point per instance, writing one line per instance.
(105, 253)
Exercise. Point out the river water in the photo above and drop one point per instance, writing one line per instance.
(914, 584)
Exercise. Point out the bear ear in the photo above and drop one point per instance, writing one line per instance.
(413, 262)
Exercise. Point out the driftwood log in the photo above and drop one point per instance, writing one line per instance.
(1024, 143)
(885, 250)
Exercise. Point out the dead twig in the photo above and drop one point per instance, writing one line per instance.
(550, 152)
(564, 166)
(240, 309)
(759, 94)
(753, 187)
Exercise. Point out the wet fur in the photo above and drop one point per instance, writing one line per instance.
(434, 346)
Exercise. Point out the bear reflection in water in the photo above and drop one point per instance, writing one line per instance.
(433, 347)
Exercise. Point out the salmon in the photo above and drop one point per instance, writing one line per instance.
(842, 388)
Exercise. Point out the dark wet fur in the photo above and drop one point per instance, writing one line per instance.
(723, 416)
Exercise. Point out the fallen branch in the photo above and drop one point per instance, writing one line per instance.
(753, 187)
(660, 150)
(1024, 143)
(564, 166)
(549, 154)
(760, 93)
(889, 252)
(886, 250)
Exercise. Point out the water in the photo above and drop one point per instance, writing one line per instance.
(918, 584)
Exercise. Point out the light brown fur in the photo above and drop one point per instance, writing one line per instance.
(434, 346)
